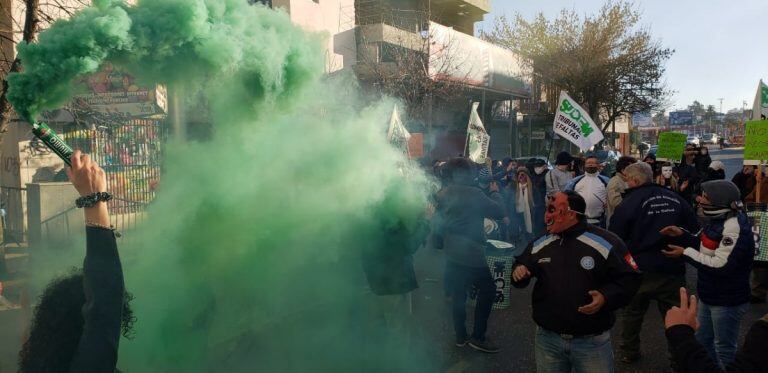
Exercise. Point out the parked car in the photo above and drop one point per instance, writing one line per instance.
(710, 138)
(693, 139)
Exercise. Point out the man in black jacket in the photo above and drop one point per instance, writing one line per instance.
(692, 357)
(461, 209)
(79, 319)
(583, 273)
(645, 210)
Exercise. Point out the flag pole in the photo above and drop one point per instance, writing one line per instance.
(759, 183)
(469, 124)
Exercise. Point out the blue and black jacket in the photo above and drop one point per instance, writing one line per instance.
(723, 254)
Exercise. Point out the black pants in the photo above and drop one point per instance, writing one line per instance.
(759, 281)
(459, 279)
(665, 290)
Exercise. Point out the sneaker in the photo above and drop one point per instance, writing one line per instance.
(483, 346)
(461, 342)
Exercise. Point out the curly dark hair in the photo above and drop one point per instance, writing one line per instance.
(58, 323)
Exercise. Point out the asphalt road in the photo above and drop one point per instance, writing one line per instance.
(513, 329)
(731, 158)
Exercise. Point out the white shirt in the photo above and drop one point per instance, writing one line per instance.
(595, 193)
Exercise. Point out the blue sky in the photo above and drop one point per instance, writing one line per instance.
(717, 43)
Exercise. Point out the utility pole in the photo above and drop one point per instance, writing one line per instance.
(743, 118)
(722, 124)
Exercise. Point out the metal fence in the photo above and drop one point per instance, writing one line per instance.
(131, 156)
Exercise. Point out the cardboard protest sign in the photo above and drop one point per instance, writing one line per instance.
(671, 146)
(573, 123)
(756, 142)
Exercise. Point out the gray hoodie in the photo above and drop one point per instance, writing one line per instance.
(557, 180)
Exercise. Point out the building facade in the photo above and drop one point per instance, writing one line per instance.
(379, 39)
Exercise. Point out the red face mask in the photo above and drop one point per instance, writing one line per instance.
(559, 217)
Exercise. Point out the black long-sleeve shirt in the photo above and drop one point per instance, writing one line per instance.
(102, 313)
(461, 210)
(691, 356)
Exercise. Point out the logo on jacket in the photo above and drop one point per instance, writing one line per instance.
(587, 262)
(727, 241)
(631, 261)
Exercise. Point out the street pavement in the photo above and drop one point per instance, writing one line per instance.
(513, 329)
(732, 158)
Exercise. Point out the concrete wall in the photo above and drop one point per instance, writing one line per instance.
(52, 217)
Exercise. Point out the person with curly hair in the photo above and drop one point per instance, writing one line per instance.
(80, 317)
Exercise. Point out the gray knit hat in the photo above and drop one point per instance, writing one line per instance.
(721, 193)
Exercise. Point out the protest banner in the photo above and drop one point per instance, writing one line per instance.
(671, 146)
(477, 138)
(760, 108)
(574, 124)
(397, 134)
(756, 142)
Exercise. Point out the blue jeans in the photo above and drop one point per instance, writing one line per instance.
(719, 331)
(558, 354)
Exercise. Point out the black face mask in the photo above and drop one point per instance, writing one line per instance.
(590, 170)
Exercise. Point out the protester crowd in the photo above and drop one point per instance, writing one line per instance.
(593, 246)
(597, 245)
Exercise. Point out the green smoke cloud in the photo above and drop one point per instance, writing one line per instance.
(213, 44)
(250, 257)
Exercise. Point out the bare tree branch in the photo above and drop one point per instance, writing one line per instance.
(606, 62)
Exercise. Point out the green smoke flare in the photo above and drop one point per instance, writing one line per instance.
(250, 258)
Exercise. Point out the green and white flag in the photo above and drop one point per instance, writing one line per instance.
(398, 135)
(477, 138)
(574, 124)
(760, 109)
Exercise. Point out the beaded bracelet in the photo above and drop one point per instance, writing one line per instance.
(102, 226)
(92, 199)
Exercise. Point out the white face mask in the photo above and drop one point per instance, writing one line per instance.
(666, 172)
(539, 170)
